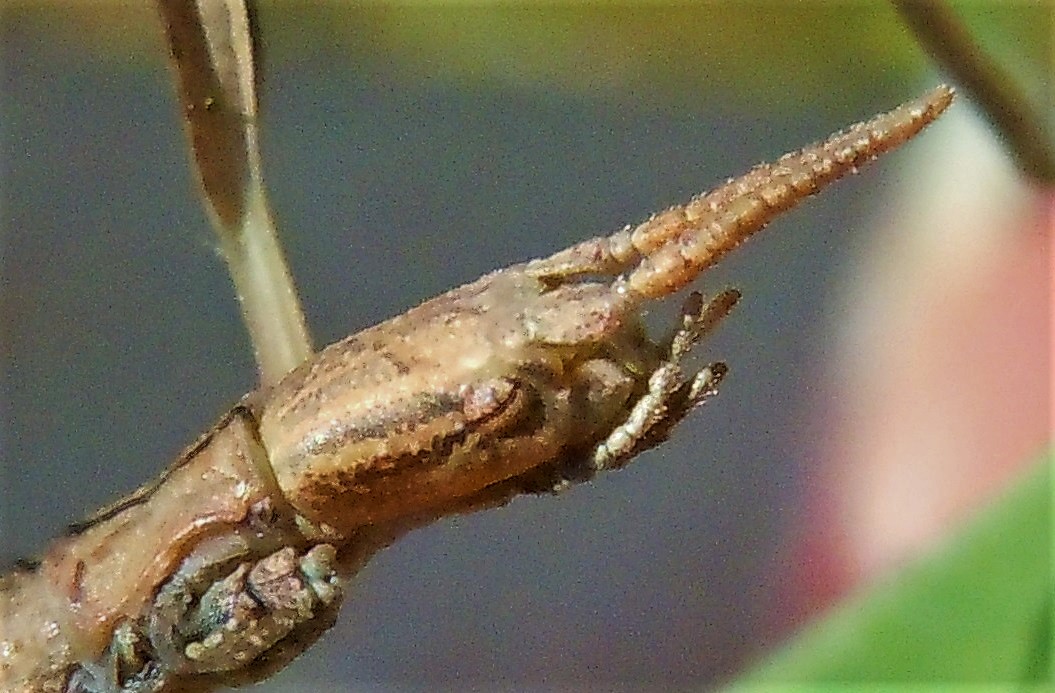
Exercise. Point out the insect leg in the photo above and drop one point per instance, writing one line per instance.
(671, 394)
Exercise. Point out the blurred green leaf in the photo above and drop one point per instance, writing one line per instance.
(746, 53)
(739, 53)
(979, 611)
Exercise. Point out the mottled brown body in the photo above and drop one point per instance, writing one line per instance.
(108, 570)
(527, 380)
(452, 397)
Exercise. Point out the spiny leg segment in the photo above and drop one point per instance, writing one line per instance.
(669, 250)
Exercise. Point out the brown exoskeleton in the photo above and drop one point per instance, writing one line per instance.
(528, 380)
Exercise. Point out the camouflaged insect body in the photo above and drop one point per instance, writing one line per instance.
(530, 379)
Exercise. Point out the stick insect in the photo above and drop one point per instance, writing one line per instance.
(600, 419)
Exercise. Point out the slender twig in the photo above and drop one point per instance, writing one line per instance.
(211, 43)
(951, 45)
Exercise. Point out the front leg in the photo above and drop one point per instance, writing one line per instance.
(670, 395)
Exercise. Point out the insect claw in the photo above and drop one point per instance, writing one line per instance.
(705, 384)
(670, 395)
(698, 319)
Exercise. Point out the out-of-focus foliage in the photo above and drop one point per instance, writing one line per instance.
(764, 54)
(980, 611)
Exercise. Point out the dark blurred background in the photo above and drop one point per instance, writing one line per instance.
(408, 151)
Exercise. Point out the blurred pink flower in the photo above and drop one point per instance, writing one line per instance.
(943, 392)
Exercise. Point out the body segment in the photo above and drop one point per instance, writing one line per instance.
(92, 597)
